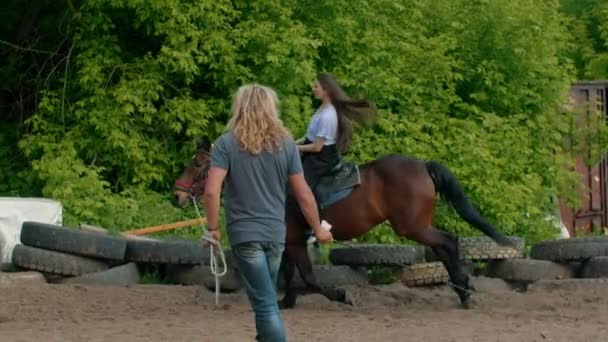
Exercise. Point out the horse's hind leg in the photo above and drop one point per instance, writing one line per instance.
(445, 246)
(449, 255)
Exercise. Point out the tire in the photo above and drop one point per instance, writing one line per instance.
(20, 279)
(55, 262)
(73, 241)
(184, 252)
(572, 249)
(529, 270)
(377, 255)
(201, 275)
(595, 268)
(123, 275)
(574, 285)
(428, 273)
(483, 248)
(329, 276)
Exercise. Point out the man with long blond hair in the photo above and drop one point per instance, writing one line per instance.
(257, 156)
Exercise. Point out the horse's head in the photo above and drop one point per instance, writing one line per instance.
(192, 181)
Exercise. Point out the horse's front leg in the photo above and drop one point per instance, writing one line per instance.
(288, 268)
(299, 254)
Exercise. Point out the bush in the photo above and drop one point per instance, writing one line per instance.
(476, 85)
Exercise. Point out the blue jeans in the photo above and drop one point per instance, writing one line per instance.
(258, 264)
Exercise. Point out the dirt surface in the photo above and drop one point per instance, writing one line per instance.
(46, 312)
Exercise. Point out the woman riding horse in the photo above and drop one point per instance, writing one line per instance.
(398, 189)
(330, 129)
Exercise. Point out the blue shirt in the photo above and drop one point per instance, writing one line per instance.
(324, 124)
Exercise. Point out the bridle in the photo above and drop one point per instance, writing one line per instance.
(193, 188)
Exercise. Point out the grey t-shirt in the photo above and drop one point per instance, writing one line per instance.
(255, 188)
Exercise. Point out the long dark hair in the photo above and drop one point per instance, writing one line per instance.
(349, 110)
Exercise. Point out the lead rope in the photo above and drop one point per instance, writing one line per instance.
(212, 254)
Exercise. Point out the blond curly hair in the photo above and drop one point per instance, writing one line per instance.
(255, 119)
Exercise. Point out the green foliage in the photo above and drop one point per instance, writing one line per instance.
(477, 85)
(151, 274)
(588, 137)
(589, 37)
(14, 179)
(492, 122)
(383, 233)
(383, 275)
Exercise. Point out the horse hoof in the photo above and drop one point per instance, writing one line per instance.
(345, 297)
(349, 299)
(465, 299)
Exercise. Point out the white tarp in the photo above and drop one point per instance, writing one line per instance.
(558, 223)
(14, 211)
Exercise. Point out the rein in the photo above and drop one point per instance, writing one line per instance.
(213, 244)
(198, 182)
(215, 248)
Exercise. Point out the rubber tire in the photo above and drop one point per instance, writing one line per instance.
(43, 260)
(73, 241)
(175, 251)
(201, 275)
(377, 255)
(122, 275)
(483, 248)
(595, 268)
(428, 273)
(571, 249)
(574, 285)
(20, 279)
(529, 270)
(329, 276)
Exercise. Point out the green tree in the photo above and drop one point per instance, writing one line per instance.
(478, 85)
(588, 37)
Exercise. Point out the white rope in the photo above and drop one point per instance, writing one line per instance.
(212, 255)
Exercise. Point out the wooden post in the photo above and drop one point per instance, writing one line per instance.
(165, 227)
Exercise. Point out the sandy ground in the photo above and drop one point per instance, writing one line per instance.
(383, 313)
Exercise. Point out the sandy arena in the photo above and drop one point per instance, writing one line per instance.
(578, 312)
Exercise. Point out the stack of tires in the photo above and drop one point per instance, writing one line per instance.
(583, 257)
(69, 255)
(94, 256)
(419, 265)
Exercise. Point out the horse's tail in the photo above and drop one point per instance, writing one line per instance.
(449, 188)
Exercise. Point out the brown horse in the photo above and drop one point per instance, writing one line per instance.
(399, 189)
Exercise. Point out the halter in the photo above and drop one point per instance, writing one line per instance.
(191, 188)
(198, 182)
